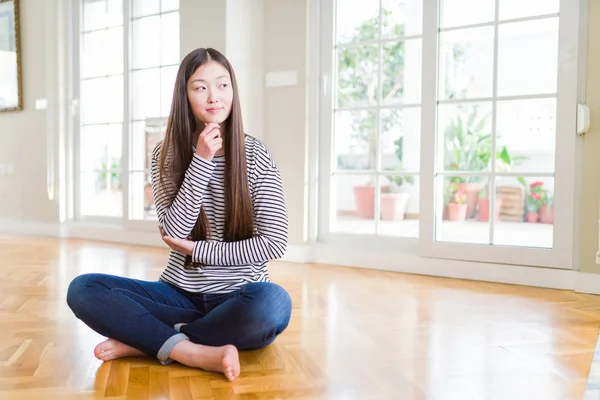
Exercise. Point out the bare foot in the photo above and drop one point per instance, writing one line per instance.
(223, 359)
(112, 349)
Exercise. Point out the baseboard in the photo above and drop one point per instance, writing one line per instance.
(36, 228)
(300, 254)
(414, 264)
(337, 255)
(588, 283)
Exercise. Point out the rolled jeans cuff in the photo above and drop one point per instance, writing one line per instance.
(167, 347)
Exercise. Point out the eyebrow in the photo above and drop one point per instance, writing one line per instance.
(202, 80)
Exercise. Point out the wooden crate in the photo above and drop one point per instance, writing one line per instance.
(513, 203)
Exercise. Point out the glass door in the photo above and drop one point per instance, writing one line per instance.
(450, 133)
(372, 116)
(499, 136)
(127, 61)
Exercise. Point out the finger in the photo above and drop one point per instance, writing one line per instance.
(215, 140)
(210, 128)
(212, 135)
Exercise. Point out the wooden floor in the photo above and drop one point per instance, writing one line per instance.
(354, 334)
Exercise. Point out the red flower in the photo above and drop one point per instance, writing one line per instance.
(536, 184)
(535, 195)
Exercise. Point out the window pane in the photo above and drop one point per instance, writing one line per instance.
(146, 39)
(402, 18)
(400, 141)
(402, 72)
(466, 130)
(142, 199)
(528, 57)
(399, 206)
(353, 197)
(145, 7)
(467, 63)
(102, 53)
(169, 5)
(169, 38)
(146, 94)
(355, 134)
(114, 99)
(357, 20)
(98, 14)
(167, 81)
(114, 12)
(94, 61)
(510, 9)
(526, 212)
(526, 135)
(101, 147)
(94, 14)
(466, 12)
(145, 135)
(357, 76)
(102, 100)
(457, 201)
(101, 193)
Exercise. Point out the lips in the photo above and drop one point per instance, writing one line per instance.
(213, 110)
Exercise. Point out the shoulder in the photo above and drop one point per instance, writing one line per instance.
(259, 153)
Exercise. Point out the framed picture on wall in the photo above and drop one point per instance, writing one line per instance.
(11, 96)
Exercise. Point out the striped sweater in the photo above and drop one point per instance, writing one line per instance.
(227, 265)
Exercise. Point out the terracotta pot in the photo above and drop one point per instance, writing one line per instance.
(483, 206)
(457, 212)
(547, 214)
(532, 217)
(364, 196)
(393, 205)
(472, 192)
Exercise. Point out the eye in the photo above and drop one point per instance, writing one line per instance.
(200, 88)
(224, 85)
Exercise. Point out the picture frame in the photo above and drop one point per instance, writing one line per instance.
(11, 93)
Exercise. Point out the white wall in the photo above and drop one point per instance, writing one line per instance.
(245, 51)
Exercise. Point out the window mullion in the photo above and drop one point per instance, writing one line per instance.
(378, 127)
(126, 140)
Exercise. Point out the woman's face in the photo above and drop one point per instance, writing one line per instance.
(210, 93)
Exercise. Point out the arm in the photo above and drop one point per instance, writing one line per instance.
(178, 218)
(270, 219)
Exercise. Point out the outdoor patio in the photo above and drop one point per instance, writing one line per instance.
(469, 231)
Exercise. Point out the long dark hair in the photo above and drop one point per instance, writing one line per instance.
(176, 152)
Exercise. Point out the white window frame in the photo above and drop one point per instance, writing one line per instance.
(85, 224)
(561, 255)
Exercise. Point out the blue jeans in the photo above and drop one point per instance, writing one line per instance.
(154, 316)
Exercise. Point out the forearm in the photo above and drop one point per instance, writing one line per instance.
(178, 218)
(257, 249)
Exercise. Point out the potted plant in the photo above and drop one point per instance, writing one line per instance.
(547, 210)
(393, 200)
(111, 174)
(468, 148)
(457, 204)
(483, 206)
(535, 199)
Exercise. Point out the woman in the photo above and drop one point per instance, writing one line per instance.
(220, 206)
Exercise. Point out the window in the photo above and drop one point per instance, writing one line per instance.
(128, 62)
(376, 116)
(496, 122)
(450, 126)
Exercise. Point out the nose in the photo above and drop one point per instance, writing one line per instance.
(211, 97)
